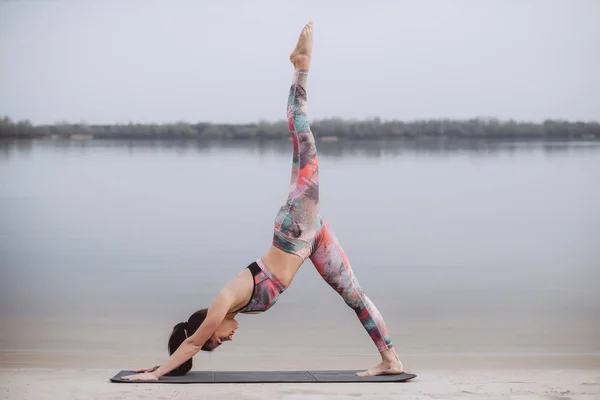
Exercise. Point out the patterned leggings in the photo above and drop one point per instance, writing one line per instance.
(300, 229)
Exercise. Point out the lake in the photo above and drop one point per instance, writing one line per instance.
(463, 247)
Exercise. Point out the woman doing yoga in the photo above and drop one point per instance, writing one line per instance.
(300, 233)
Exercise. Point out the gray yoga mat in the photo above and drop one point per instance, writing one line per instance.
(268, 377)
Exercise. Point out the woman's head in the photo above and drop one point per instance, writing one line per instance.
(183, 330)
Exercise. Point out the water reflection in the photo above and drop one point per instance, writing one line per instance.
(365, 148)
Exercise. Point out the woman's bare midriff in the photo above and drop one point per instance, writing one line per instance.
(283, 265)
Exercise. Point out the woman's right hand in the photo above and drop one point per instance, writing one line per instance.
(143, 370)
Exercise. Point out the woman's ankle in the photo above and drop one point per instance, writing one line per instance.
(389, 356)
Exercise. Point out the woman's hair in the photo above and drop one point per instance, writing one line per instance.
(182, 331)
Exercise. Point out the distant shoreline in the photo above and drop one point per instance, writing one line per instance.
(328, 140)
(370, 148)
(325, 130)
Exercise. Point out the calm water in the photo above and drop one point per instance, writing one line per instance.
(437, 236)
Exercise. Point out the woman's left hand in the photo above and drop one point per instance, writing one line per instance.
(146, 376)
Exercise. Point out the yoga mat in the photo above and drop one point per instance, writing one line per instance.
(269, 377)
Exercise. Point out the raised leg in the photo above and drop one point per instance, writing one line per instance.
(300, 58)
(295, 224)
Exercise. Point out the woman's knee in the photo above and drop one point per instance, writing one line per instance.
(354, 297)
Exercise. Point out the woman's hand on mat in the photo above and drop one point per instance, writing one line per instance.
(146, 376)
(152, 369)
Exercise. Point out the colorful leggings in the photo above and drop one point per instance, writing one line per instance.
(300, 230)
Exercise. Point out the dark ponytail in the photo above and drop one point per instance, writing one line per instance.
(180, 333)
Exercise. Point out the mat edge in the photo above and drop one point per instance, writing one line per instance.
(370, 379)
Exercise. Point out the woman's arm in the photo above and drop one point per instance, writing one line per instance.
(192, 345)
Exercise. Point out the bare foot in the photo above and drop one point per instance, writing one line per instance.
(302, 54)
(384, 368)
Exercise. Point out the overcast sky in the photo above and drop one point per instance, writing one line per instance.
(227, 61)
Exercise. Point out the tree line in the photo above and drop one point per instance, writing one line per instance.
(325, 129)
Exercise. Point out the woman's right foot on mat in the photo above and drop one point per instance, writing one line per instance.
(302, 54)
(384, 368)
(390, 365)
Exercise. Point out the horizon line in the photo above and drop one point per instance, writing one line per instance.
(316, 120)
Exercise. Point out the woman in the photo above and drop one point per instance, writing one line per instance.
(300, 233)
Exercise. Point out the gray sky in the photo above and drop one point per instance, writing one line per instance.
(227, 61)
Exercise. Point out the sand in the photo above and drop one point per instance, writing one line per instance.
(43, 377)
(43, 360)
(42, 384)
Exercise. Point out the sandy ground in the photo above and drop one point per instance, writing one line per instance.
(37, 377)
(71, 362)
(42, 384)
